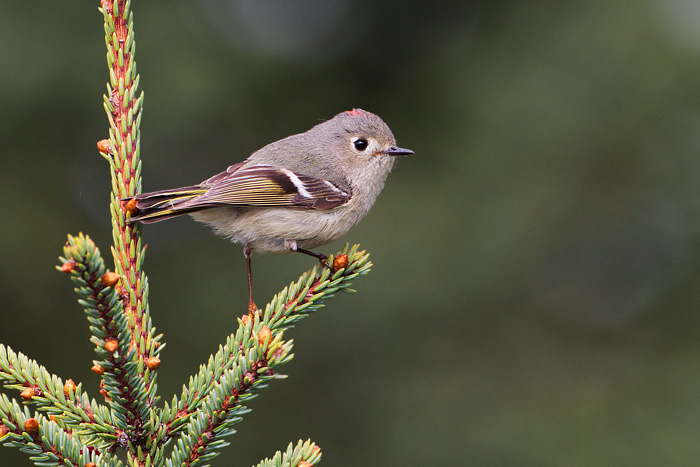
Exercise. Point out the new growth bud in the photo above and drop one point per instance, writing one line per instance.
(340, 262)
(31, 426)
(68, 387)
(110, 279)
(111, 344)
(152, 363)
(264, 334)
(130, 206)
(104, 147)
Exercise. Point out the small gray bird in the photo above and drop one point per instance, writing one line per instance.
(295, 194)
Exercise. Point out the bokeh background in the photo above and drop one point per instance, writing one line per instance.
(534, 299)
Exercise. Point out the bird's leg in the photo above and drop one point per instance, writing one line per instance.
(248, 252)
(291, 245)
(319, 256)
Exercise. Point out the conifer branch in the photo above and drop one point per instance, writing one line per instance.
(220, 410)
(292, 304)
(304, 454)
(64, 402)
(45, 441)
(72, 429)
(123, 152)
(137, 384)
(104, 309)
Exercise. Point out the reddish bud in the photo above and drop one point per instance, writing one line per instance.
(90, 464)
(110, 279)
(111, 344)
(130, 206)
(68, 266)
(97, 368)
(70, 385)
(31, 425)
(104, 147)
(317, 448)
(53, 418)
(152, 363)
(28, 393)
(3, 430)
(264, 334)
(245, 319)
(304, 464)
(340, 262)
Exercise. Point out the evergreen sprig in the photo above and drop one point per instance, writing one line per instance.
(64, 402)
(290, 305)
(71, 429)
(46, 442)
(304, 454)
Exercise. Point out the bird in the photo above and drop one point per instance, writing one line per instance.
(293, 195)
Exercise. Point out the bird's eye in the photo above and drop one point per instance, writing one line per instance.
(360, 144)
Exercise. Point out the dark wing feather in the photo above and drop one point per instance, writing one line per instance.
(160, 205)
(226, 173)
(171, 197)
(260, 185)
(264, 185)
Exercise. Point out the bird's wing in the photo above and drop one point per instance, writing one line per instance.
(264, 185)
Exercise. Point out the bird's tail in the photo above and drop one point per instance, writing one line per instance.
(160, 205)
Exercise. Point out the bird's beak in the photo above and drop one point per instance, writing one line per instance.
(394, 151)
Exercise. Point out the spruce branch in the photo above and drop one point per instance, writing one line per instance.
(122, 151)
(135, 387)
(292, 304)
(104, 309)
(304, 454)
(72, 429)
(67, 405)
(47, 442)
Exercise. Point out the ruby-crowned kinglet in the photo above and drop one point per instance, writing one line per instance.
(295, 194)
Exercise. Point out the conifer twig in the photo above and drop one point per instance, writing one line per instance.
(293, 303)
(304, 454)
(69, 428)
(45, 441)
(136, 384)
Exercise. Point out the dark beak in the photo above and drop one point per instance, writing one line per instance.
(394, 151)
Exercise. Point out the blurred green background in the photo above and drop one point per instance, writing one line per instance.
(535, 289)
